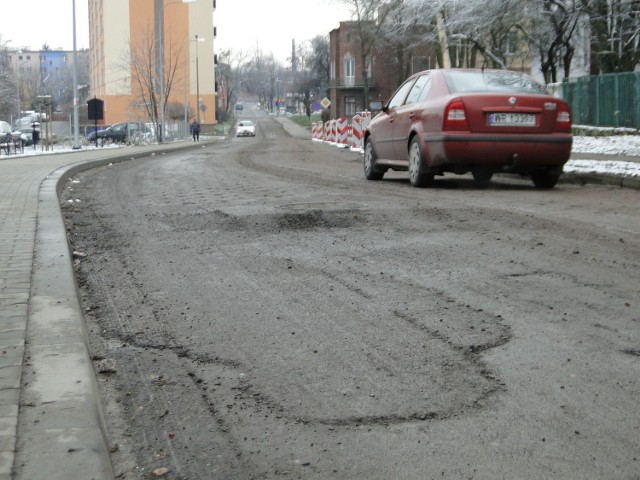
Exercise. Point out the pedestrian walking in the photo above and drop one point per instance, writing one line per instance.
(195, 130)
(35, 134)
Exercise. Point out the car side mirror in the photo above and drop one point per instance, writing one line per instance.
(376, 106)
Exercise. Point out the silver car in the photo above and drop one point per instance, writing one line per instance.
(246, 128)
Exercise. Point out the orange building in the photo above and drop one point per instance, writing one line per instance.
(122, 55)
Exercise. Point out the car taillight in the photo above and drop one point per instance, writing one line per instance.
(455, 117)
(563, 120)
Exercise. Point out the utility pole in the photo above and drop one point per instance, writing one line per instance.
(76, 121)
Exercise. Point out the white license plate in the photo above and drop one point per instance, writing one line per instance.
(512, 120)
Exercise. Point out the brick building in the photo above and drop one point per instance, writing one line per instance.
(387, 69)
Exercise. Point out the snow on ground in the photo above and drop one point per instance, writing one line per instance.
(612, 167)
(628, 145)
(617, 145)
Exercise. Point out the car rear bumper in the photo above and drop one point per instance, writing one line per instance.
(508, 153)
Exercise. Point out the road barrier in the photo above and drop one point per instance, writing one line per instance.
(342, 133)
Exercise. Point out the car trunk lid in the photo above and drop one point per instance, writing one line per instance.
(511, 113)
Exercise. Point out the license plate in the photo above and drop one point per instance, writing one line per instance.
(512, 120)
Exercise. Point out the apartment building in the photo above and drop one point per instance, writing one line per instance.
(124, 38)
(43, 72)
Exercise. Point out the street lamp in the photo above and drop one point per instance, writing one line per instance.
(76, 121)
(198, 79)
(158, 8)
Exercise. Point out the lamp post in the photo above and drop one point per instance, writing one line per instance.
(76, 121)
(158, 8)
(197, 82)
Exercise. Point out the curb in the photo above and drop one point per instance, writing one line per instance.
(62, 432)
(601, 179)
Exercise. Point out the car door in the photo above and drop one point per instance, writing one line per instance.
(406, 115)
(118, 132)
(383, 136)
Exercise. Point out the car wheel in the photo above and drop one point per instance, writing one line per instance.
(370, 171)
(543, 179)
(417, 175)
(482, 176)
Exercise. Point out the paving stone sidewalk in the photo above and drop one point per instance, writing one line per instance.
(48, 390)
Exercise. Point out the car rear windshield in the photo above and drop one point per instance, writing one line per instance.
(491, 81)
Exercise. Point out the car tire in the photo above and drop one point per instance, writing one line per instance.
(417, 176)
(544, 179)
(370, 170)
(482, 176)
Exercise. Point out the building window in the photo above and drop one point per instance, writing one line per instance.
(350, 106)
(349, 71)
(333, 70)
(511, 43)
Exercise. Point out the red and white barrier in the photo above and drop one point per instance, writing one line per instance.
(342, 132)
(356, 134)
(317, 132)
(328, 131)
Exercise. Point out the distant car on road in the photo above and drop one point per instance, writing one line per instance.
(239, 106)
(246, 128)
(464, 120)
(118, 132)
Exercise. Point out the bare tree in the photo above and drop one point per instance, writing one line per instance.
(320, 62)
(409, 29)
(615, 26)
(229, 73)
(552, 28)
(370, 17)
(142, 63)
(8, 87)
(311, 77)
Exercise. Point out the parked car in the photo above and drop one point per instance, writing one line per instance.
(246, 128)
(5, 127)
(118, 132)
(26, 134)
(465, 120)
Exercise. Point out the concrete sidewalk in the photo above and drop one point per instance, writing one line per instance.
(48, 390)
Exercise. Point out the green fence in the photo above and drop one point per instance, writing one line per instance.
(611, 100)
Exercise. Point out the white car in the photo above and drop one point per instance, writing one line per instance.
(5, 127)
(246, 128)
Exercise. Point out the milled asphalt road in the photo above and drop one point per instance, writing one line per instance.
(44, 359)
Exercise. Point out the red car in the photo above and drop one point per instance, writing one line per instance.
(478, 121)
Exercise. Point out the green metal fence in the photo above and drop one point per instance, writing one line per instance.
(611, 100)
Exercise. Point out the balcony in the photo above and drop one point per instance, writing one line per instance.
(350, 82)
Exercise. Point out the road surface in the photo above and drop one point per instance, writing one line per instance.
(258, 310)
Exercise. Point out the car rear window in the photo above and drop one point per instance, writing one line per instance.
(491, 81)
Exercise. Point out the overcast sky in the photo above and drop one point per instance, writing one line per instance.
(242, 24)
